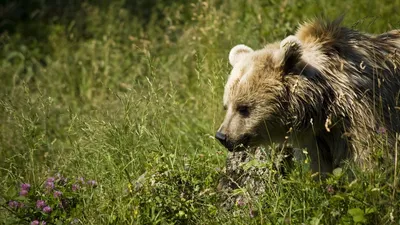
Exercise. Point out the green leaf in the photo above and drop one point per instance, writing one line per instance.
(370, 210)
(358, 215)
(337, 172)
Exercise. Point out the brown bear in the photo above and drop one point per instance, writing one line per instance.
(326, 89)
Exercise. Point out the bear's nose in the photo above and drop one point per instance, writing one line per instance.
(221, 137)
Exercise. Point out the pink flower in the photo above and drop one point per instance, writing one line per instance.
(35, 222)
(13, 204)
(75, 187)
(47, 209)
(25, 186)
(51, 179)
(92, 183)
(57, 194)
(81, 180)
(330, 189)
(23, 193)
(40, 204)
(49, 185)
(240, 202)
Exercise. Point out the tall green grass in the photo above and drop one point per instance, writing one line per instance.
(133, 100)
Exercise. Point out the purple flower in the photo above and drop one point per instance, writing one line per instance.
(43, 223)
(23, 193)
(57, 194)
(51, 179)
(49, 185)
(35, 222)
(13, 204)
(240, 202)
(40, 204)
(47, 209)
(75, 187)
(25, 186)
(81, 180)
(92, 183)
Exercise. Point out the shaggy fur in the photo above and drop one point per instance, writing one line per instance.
(327, 89)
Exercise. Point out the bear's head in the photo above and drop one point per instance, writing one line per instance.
(256, 94)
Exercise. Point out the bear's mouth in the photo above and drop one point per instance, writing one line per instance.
(240, 145)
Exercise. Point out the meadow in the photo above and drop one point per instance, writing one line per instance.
(108, 111)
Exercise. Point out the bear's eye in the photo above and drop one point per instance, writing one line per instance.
(243, 110)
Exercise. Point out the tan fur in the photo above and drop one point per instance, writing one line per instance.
(328, 89)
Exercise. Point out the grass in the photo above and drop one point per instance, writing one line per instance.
(132, 100)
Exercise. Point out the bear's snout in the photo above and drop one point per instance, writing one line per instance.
(221, 137)
(230, 145)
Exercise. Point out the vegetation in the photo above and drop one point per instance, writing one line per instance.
(128, 93)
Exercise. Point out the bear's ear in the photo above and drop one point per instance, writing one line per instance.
(238, 52)
(291, 51)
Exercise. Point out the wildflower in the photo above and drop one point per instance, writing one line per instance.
(240, 202)
(57, 194)
(49, 185)
(130, 188)
(25, 186)
(23, 193)
(81, 180)
(13, 204)
(51, 179)
(40, 204)
(47, 209)
(330, 189)
(43, 223)
(92, 183)
(75, 187)
(35, 222)
(135, 212)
